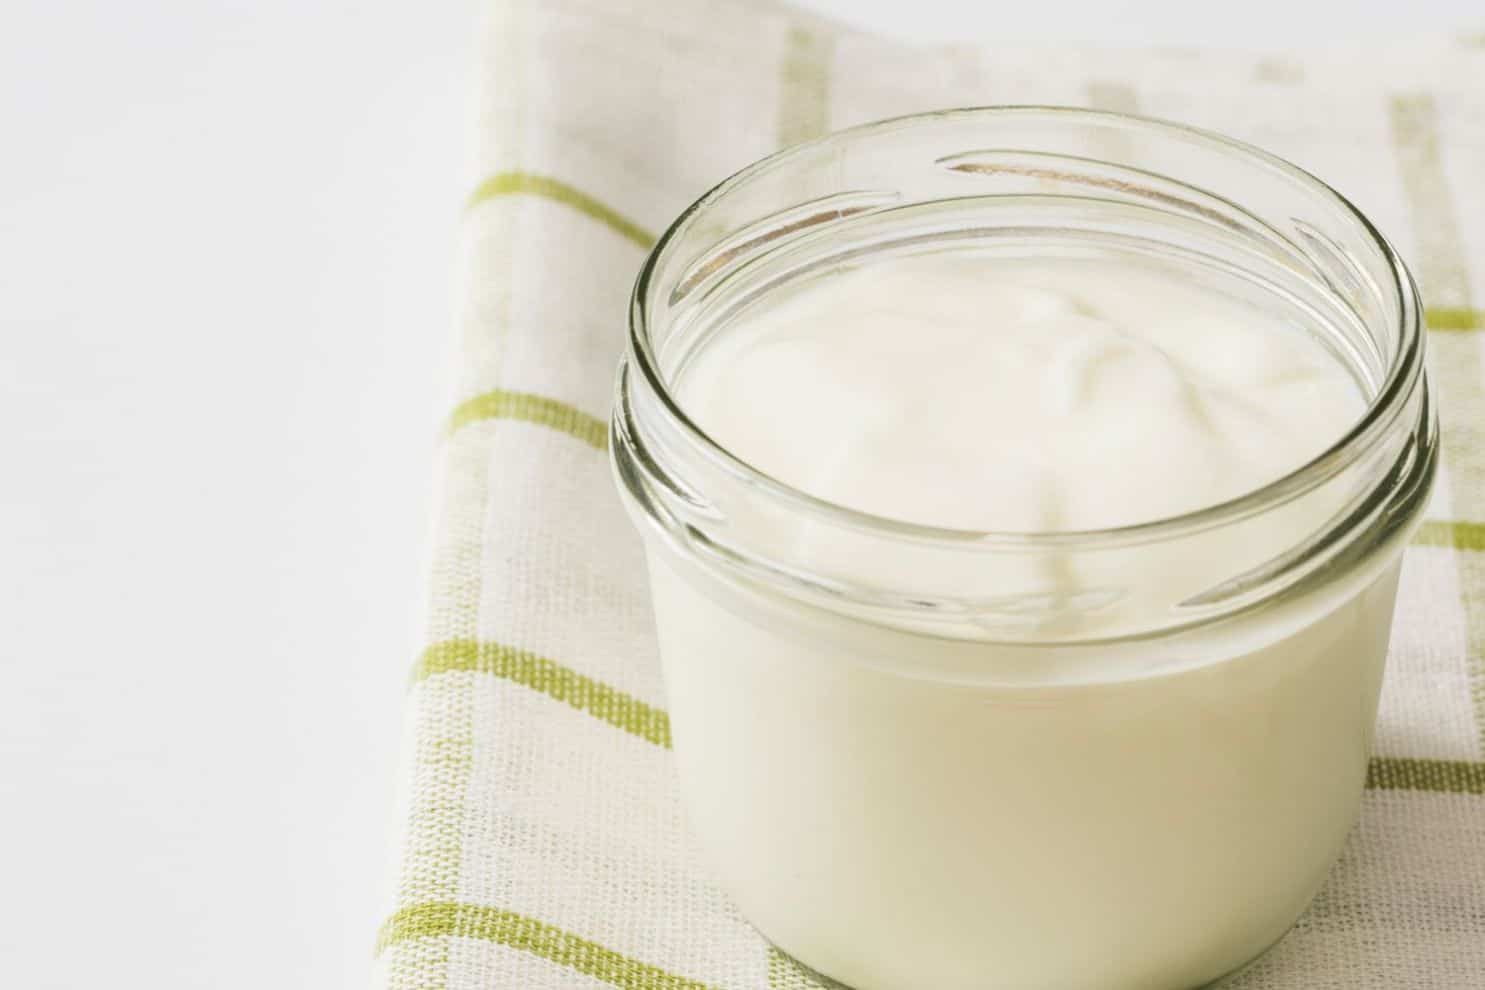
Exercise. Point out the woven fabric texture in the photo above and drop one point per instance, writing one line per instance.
(543, 844)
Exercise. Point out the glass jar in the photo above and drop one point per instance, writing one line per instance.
(911, 764)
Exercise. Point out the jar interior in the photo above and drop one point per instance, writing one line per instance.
(1053, 185)
(1021, 229)
(1030, 184)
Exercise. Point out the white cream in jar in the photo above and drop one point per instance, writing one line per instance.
(1018, 395)
(979, 823)
(1023, 533)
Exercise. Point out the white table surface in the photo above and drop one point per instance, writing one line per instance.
(226, 234)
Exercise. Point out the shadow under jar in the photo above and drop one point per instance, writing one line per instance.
(919, 756)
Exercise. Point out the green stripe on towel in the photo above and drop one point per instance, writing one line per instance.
(1459, 535)
(1453, 318)
(531, 184)
(1403, 773)
(566, 685)
(518, 931)
(503, 404)
(804, 90)
(786, 973)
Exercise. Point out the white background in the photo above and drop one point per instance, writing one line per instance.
(225, 254)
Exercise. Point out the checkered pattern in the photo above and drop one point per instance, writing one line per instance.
(543, 842)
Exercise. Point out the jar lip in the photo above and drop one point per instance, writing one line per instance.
(1403, 372)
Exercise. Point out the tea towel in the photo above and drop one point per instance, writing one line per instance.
(543, 844)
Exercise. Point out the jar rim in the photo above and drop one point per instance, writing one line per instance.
(1403, 373)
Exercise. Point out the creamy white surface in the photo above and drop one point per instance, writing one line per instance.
(899, 832)
(887, 807)
(977, 393)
